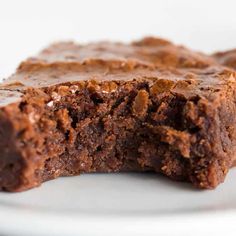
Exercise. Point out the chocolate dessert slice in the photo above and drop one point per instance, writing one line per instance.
(227, 58)
(109, 107)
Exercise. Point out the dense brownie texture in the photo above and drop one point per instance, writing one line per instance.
(108, 107)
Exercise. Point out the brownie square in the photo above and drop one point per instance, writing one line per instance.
(110, 107)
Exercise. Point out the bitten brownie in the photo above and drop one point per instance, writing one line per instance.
(108, 107)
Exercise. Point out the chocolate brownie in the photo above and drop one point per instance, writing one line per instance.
(108, 107)
(227, 58)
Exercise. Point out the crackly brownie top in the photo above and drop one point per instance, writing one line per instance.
(152, 59)
(147, 52)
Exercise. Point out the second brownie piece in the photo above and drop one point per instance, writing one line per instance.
(108, 107)
(227, 58)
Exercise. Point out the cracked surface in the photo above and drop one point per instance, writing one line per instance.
(108, 107)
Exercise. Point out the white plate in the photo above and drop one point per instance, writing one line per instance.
(119, 204)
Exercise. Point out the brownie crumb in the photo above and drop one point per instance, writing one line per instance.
(140, 104)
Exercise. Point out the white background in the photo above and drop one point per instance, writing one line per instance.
(26, 26)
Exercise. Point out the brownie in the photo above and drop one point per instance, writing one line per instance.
(227, 58)
(109, 107)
